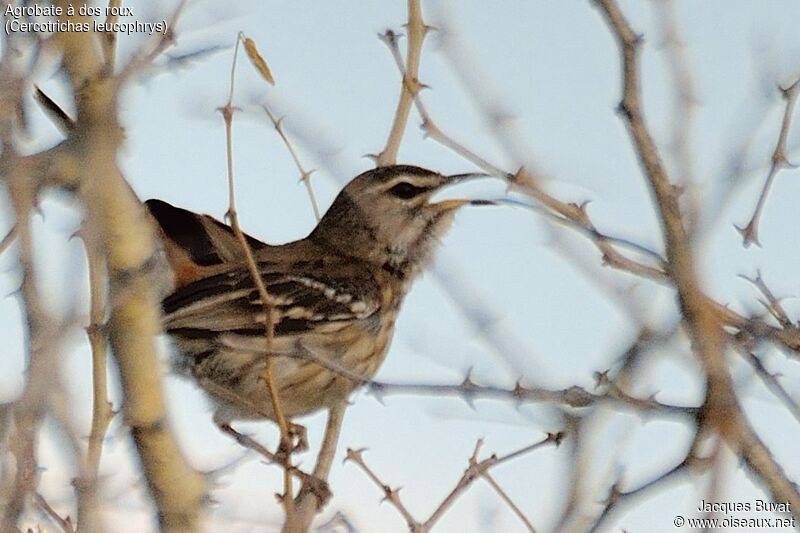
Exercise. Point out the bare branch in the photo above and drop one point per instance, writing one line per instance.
(102, 410)
(475, 470)
(266, 300)
(310, 500)
(410, 85)
(618, 500)
(389, 494)
(126, 242)
(64, 523)
(779, 161)
(574, 396)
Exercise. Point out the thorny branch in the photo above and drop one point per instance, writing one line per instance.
(123, 234)
(269, 320)
(475, 470)
(779, 161)
(305, 175)
(410, 86)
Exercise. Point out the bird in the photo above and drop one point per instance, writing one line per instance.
(334, 295)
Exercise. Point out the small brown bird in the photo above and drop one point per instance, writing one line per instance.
(335, 294)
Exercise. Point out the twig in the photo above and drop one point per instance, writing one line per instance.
(389, 494)
(266, 300)
(108, 40)
(618, 500)
(64, 523)
(685, 104)
(156, 46)
(315, 485)
(475, 470)
(29, 409)
(310, 499)
(575, 396)
(770, 303)
(779, 161)
(770, 380)
(8, 239)
(514, 508)
(410, 84)
(305, 175)
(102, 410)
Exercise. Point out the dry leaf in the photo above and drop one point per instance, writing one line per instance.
(257, 60)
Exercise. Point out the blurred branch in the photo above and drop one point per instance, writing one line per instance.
(102, 410)
(683, 111)
(619, 501)
(155, 46)
(126, 242)
(8, 239)
(721, 410)
(43, 334)
(770, 303)
(575, 216)
(779, 161)
(770, 380)
(108, 40)
(410, 85)
(64, 523)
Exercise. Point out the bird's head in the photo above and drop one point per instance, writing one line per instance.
(387, 216)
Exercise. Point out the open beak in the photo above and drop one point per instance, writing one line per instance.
(451, 204)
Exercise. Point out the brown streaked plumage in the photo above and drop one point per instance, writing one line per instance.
(336, 293)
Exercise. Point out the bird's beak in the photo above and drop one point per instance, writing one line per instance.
(451, 204)
(458, 178)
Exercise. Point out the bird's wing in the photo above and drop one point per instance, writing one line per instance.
(302, 301)
(194, 244)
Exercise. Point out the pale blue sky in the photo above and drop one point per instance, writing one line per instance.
(553, 67)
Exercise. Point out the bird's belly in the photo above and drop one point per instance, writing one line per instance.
(311, 373)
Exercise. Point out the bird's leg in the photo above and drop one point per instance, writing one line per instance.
(298, 441)
(299, 435)
(319, 487)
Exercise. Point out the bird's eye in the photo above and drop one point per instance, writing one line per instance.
(406, 190)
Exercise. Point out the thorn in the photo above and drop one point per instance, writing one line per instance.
(601, 378)
(556, 437)
(624, 110)
(749, 234)
(519, 392)
(306, 175)
(468, 385)
(354, 455)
